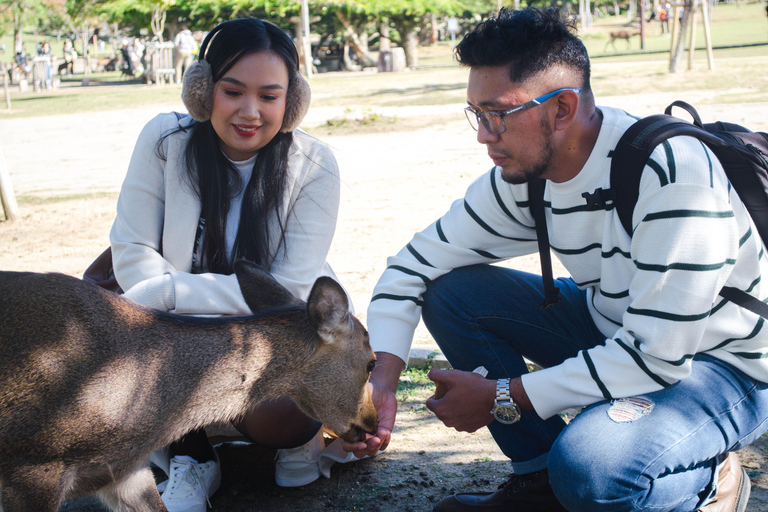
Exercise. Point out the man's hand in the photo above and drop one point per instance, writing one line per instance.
(383, 385)
(463, 400)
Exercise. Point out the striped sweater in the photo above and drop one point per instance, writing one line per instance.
(654, 296)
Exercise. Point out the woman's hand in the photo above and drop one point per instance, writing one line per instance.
(383, 385)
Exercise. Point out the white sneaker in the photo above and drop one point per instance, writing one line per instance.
(190, 484)
(298, 466)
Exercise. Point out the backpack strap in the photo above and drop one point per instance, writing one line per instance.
(630, 158)
(536, 204)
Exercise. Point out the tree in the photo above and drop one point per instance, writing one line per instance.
(21, 13)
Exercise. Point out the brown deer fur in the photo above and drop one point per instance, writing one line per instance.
(91, 383)
(621, 34)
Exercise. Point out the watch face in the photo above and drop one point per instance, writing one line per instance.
(506, 413)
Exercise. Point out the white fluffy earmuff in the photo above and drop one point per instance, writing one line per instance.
(197, 95)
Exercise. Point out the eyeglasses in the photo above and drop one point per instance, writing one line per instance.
(493, 120)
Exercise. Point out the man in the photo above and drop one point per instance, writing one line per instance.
(184, 47)
(671, 376)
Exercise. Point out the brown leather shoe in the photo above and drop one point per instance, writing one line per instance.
(522, 493)
(733, 487)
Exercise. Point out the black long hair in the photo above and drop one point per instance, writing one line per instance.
(213, 176)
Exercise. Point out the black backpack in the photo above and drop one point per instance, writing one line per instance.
(742, 153)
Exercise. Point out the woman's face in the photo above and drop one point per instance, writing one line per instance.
(249, 104)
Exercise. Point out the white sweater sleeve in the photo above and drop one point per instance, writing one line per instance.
(136, 235)
(489, 224)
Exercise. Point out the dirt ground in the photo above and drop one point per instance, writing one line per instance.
(67, 171)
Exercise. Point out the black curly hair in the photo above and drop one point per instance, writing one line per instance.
(530, 41)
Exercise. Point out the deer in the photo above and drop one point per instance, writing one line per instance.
(91, 383)
(620, 34)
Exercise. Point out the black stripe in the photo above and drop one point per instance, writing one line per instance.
(577, 251)
(670, 161)
(694, 267)
(679, 362)
(617, 324)
(676, 214)
(711, 170)
(440, 233)
(418, 256)
(746, 236)
(639, 362)
(616, 250)
(408, 271)
(659, 172)
(397, 297)
(587, 283)
(500, 201)
(755, 331)
(576, 209)
(486, 254)
(489, 229)
(617, 295)
(667, 316)
(751, 355)
(595, 376)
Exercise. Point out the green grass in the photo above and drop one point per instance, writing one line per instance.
(414, 381)
(440, 81)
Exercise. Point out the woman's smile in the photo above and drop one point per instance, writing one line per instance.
(249, 104)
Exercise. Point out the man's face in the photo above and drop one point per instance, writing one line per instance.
(525, 150)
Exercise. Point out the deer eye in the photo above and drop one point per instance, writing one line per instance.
(371, 366)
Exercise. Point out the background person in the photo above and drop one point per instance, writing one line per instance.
(234, 180)
(184, 46)
(672, 376)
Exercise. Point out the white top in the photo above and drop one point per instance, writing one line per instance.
(158, 214)
(654, 296)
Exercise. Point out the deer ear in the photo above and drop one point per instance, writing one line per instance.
(260, 290)
(328, 309)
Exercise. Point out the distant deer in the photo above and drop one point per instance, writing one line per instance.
(620, 34)
(91, 383)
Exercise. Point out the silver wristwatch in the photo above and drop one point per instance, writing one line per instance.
(505, 410)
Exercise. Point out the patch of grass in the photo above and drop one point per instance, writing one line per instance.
(412, 381)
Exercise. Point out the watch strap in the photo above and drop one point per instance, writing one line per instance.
(502, 391)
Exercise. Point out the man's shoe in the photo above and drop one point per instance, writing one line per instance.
(530, 492)
(299, 466)
(733, 487)
(190, 484)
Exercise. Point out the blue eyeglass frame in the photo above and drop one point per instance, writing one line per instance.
(528, 104)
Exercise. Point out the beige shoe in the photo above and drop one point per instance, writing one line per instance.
(733, 487)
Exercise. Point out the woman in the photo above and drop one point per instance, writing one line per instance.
(233, 180)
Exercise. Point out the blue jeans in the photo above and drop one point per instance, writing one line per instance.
(664, 460)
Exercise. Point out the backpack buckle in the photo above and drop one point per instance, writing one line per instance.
(598, 200)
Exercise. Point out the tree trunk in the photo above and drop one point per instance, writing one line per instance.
(158, 21)
(86, 53)
(366, 59)
(384, 43)
(17, 26)
(432, 28)
(679, 49)
(411, 47)
(7, 198)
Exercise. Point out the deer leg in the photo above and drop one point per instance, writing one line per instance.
(136, 492)
(30, 490)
